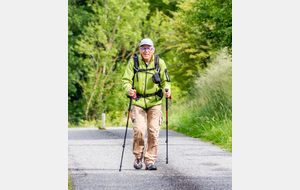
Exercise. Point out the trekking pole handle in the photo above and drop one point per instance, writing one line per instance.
(134, 95)
(131, 97)
(166, 100)
(167, 90)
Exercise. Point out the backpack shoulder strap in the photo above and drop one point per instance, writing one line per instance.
(136, 66)
(136, 63)
(157, 63)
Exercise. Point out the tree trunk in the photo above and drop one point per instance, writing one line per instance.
(90, 100)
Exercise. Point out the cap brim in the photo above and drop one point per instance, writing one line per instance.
(146, 44)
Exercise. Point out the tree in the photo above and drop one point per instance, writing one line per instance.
(188, 53)
(79, 15)
(214, 19)
(164, 6)
(106, 44)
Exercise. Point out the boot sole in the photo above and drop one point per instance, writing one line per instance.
(153, 167)
(137, 167)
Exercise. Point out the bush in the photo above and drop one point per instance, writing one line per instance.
(207, 113)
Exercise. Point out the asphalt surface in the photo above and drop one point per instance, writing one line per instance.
(94, 159)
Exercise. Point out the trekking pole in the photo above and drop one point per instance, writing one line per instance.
(126, 127)
(167, 127)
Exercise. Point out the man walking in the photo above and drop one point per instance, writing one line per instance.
(149, 76)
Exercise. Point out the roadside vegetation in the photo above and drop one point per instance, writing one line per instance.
(207, 112)
(69, 182)
(86, 123)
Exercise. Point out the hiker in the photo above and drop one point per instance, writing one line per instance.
(148, 74)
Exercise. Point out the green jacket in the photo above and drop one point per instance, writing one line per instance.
(145, 85)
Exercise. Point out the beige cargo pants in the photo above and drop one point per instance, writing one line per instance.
(154, 120)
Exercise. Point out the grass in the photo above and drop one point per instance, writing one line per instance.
(112, 119)
(69, 182)
(207, 113)
(85, 123)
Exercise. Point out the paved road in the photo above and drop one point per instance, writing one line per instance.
(94, 159)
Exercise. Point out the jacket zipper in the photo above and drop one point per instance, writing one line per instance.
(145, 86)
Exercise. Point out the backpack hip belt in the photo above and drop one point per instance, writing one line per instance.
(158, 93)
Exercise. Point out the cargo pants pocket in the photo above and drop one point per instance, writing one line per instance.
(160, 119)
(132, 114)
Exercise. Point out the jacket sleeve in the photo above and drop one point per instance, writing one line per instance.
(127, 77)
(164, 75)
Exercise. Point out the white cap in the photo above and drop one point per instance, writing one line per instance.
(146, 41)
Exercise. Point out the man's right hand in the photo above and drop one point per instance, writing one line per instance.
(131, 92)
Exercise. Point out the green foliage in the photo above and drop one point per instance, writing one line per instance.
(105, 44)
(187, 53)
(69, 182)
(207, 112)
(164, 6)
(78, 16)
(214, 19)
(116, 119)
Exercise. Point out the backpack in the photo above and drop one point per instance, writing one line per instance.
(156, 77)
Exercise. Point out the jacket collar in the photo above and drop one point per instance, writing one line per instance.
(141, 61)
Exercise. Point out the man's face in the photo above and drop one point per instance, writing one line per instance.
(146, 53)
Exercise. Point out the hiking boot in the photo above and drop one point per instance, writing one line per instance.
(151, 166)
(138, 163)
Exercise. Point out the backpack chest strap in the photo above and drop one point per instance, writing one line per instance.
(144, 70)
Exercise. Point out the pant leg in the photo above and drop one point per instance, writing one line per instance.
(138, 117)
(154, 117)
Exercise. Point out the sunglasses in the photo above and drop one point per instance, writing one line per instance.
(146, 49)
